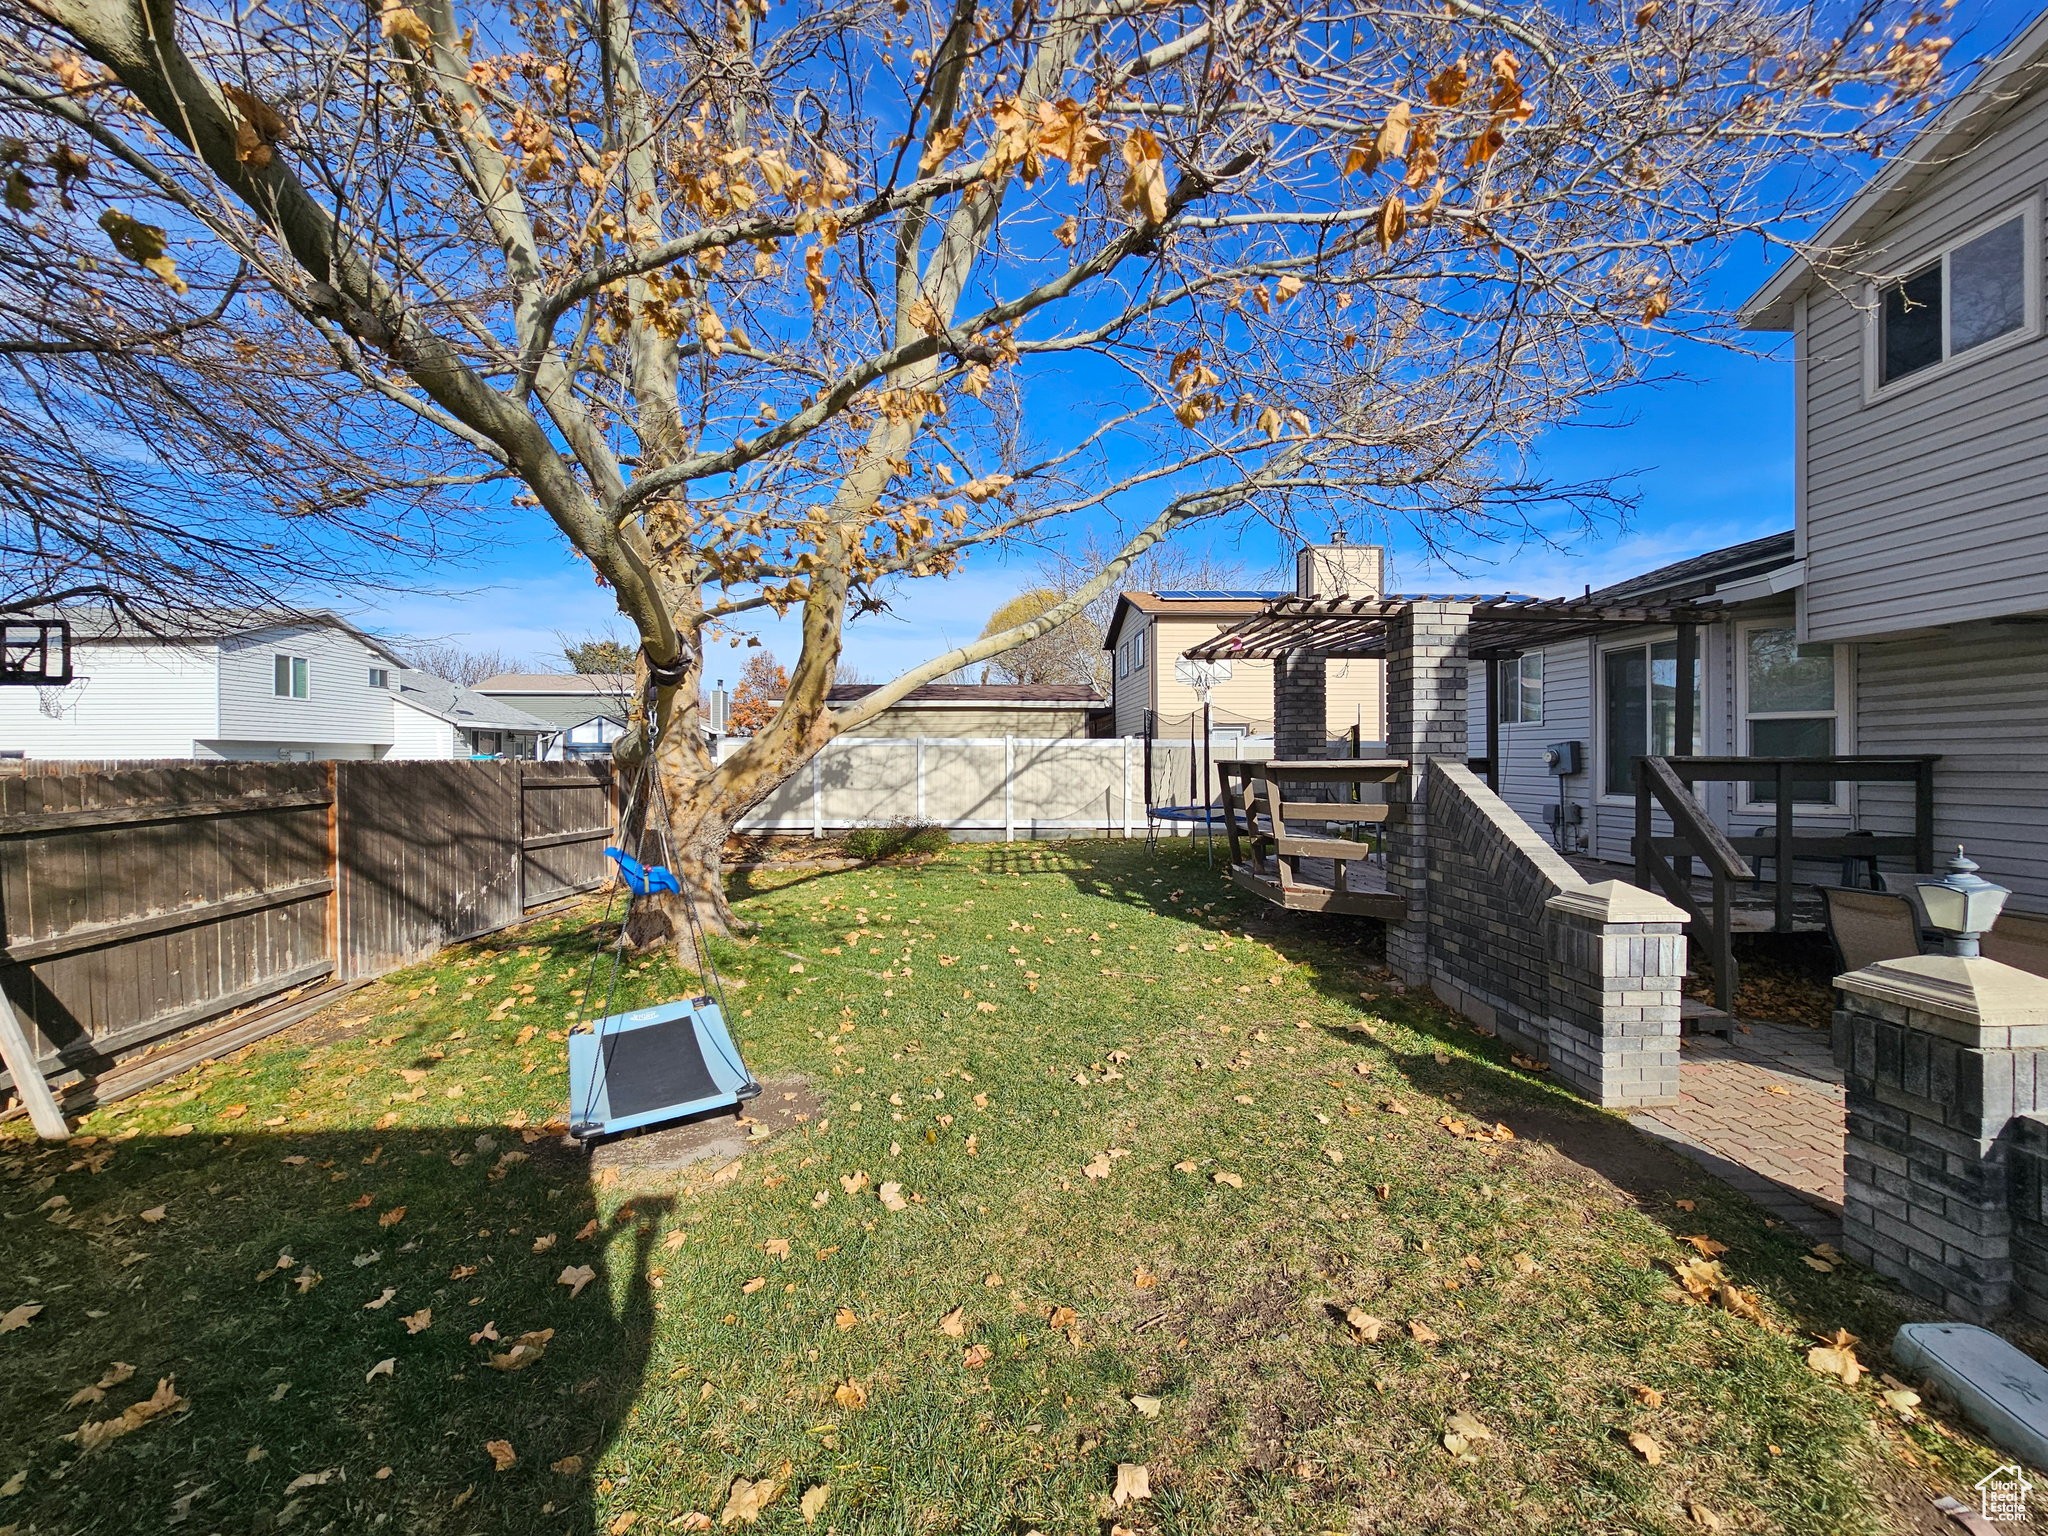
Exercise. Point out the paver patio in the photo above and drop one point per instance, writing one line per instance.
(1763, 1111)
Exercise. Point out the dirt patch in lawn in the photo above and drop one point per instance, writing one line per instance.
(783, 1105)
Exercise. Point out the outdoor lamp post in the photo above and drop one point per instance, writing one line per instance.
(1962, 905)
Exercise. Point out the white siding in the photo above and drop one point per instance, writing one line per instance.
(1979, 697)
(135, 699)
(417, 734)
(1929, 506)
(1526, 784)
(341, 708)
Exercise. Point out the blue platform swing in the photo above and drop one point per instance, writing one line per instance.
(673, 1061)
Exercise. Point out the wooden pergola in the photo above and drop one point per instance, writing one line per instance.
(1501, 628)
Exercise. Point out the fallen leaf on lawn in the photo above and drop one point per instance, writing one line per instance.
(853, 1183)
(954, 1324)
(500, 1452)
(623, 1523)
(747, 1500)
(1132, 1483)
(384, 1121)
(846, 1318)
(306, 1279)
(1144, 1279)
(1649, 1397)
(821, 1199)
(977, 1356)
(1524, 1265)
(85, 1396)
(850, 1394)
(777, 1247)
(154, 1214)
(383, 1368)
(813, 1502)
(588, 1231)
(568, 1466)
(392, 1217)
(543, 1244)
(1395, 1107)
(14, 1484)
(1902, 1401)
(1703, 1517)
(377, 1305)
(1837, 1357)
(1706, 1245)
(1364, 1326)
(753, 1285)
(1462, 1432)
(1334, 1156)
(1645, 1447)
(1148, 1406)
(1098, 1166)
(420, 1321)
(1187, 1166)
(1421, 1333)
(576, 1278)
(162, 1401)
(312, 1480)
(1529, 1063)
(695, 1520)
(1233, 1180)
(296, 1160)
(526, 1349)
(488, 1331)
(1686, 1205)
(19, 1317)
(1743, 1304)
(1059, 1319)
(892, 1197)
(1384, 1191)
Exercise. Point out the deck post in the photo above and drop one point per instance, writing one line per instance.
(1428, 653)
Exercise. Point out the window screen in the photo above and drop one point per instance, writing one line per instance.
(1987, 287)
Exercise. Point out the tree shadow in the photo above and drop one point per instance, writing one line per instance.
(268, 1278)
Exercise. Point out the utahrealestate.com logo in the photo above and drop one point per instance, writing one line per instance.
(2003, 1494)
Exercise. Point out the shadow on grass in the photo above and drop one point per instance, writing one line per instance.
(251, 1272)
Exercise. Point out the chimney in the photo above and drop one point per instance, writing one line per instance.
(1338, 569)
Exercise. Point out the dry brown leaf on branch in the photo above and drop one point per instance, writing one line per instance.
(1645, 1447)
(1145, 178)
(576, 1278)
(501, 1454)
(1392, 142)
(402, 22)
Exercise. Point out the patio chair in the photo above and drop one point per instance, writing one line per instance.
(2020, 940)
(1868, 926)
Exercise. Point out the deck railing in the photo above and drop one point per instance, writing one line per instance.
(1667, 782)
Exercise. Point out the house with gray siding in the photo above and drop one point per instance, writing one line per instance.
(1906, 610)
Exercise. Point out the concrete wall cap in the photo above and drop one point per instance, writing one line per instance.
(1971, 989)
(1616, 901)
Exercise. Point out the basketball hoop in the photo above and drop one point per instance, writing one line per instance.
(58, 702)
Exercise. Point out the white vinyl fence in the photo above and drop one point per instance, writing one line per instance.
(1011, 786)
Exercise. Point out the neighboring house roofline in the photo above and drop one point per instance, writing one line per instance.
(90, 622)
(975, 696)
(464, 707)
(1702, 575)
(2018, 70)
(610, 684)
(1187, 605)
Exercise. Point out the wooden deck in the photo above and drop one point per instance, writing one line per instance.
(1365, 891)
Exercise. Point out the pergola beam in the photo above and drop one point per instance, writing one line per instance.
(1501, 626)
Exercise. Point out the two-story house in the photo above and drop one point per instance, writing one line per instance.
(1149, 632)
(221, 685)
(1906, 610)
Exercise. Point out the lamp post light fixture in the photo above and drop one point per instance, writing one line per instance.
(1961, 905)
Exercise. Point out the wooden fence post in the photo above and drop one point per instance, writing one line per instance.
(20, 1059)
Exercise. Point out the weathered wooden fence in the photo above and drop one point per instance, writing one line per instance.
(138, 902)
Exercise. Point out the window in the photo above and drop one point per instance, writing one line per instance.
(1790, 698)
(1123, 659)
(1640, 686)
(1521, 690)
(288, 676)
(1138, 651)
(379, 678)
(1973, 293)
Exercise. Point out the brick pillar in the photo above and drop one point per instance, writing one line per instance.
(1940, 1056)
(1427, 655)
(1300, 688)
(1617, 966)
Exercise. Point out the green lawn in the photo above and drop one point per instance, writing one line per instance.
(1150, 1162)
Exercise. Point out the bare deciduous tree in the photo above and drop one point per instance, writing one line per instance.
(785, 314)
(457, 662)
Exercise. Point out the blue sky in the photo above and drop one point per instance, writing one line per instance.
(1709, 456)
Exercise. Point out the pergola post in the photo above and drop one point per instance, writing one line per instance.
(1428, 657)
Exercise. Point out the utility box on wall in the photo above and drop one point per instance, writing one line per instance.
(1565, 758)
